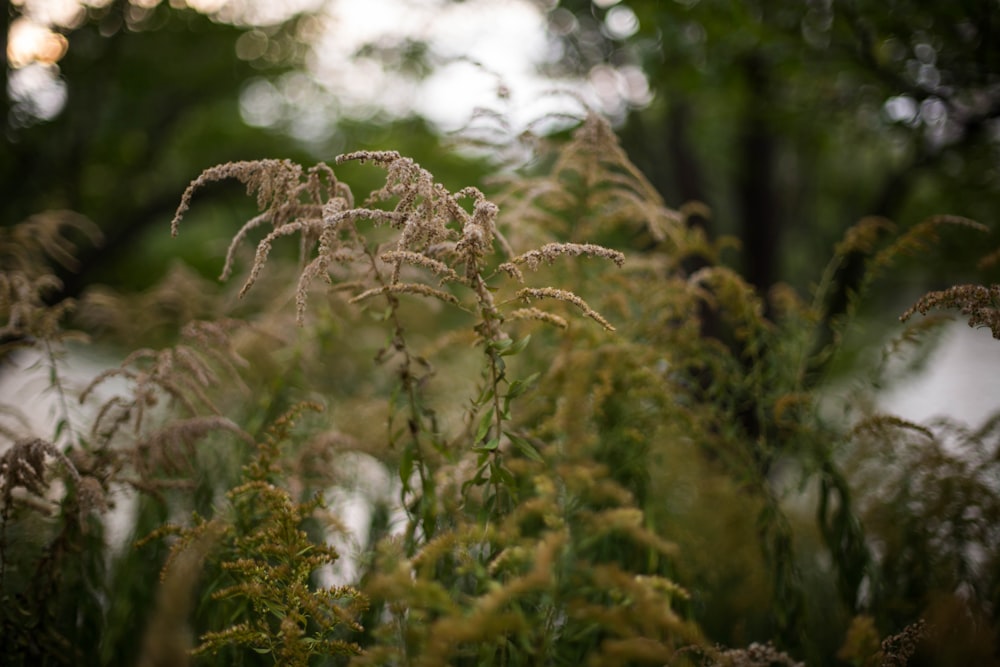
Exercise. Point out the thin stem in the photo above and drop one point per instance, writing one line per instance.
(492, 334)
(496, 377)
(415, 424)
(60, 395)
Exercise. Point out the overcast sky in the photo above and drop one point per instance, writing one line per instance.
(477, 45)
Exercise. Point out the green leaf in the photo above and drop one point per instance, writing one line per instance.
(478, 480)
(429, 518)
(500, 473)
(485, 422)
(406, 466)
(513, 348)
(525, 447)
(276, 608)
(61, 426)
(486, 395)
(518, 387)
(487, 509)
(488, 447)
(500, 345)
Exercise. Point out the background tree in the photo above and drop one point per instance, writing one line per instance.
(793, 122)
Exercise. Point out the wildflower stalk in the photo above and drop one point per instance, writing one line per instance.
(424, 514)
(496, 375)
(478, 234)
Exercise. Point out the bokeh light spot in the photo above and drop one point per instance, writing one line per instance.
(621, 22)
(28, 42)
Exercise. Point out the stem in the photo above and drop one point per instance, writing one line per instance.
(496, 376)
(415, 418)
(60, 395)
(489, 329)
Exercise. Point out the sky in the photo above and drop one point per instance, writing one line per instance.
(480, 47)
(960, 380)
(471, 42)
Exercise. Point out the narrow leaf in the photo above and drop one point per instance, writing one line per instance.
(525, 447)
(485, 422)
(406, 466)
(518, 387)
(514, 348)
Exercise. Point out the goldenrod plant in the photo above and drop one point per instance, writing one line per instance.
(538, 421)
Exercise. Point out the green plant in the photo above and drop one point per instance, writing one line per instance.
(467, 525)
(632, 486)
(266, 561)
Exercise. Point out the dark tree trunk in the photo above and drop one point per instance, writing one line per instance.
(759, 225)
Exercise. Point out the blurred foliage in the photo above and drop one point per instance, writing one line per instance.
(792, 121)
